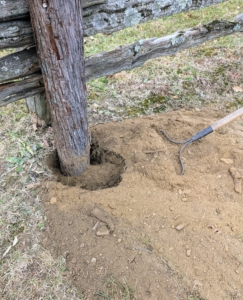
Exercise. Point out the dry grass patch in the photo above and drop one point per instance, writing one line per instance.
(27, 271)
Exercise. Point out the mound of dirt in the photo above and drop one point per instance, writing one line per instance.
(159, 234)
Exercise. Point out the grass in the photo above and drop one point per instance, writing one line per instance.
(28, 271)
(191, 78)
(198, 77)
(165, 26)
(116, 290)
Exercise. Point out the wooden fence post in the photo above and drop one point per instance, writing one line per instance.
(38, 108)
(58, 33)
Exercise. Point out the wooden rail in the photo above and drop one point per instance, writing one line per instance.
(23, 63)
(99, 16)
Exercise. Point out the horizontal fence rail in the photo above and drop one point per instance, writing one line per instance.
(14, 91)
(19, 9)
(99, 16)
(126, 57)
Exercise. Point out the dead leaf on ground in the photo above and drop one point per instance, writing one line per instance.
(237, 89)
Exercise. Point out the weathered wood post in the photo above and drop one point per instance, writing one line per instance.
(58, 33)
(37, 106)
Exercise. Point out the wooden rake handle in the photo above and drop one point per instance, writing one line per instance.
(216, 125)
(227, 119)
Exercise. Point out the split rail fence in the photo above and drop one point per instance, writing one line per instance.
(20, 74)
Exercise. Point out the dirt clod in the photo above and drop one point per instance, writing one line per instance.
(103, 230)
(103, 217)
(53, 200)
(237, 175)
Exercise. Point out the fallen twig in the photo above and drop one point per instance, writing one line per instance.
(7, 172)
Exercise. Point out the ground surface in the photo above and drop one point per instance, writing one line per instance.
(203, 259)
(173, 235)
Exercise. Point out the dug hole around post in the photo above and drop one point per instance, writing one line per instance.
(145, 232)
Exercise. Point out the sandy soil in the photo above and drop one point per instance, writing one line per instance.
(163, 235)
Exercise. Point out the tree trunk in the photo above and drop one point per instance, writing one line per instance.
(58, 32)
(38, 108)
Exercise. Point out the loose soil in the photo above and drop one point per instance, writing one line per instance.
(158, 234)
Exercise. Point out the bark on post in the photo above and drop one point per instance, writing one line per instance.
(58, 33)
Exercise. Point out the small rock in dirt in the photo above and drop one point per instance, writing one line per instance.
(228, 161)
(237, 271)
(184, 199)
(237, 175)
(53, 200)
(93, 261)
(180, 227)
(70, 223)
(226, 248)
(188, 252)
(102, 231)
(96, 226)
(180, 192)
(82, 245)
(119, 240)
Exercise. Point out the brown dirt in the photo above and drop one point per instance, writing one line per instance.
(169, 236)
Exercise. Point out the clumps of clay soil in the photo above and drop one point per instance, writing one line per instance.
(105, 170)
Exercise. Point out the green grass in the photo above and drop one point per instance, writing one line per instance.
(165, 26)
(198, 76)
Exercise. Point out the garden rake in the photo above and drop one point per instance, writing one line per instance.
(204, 132)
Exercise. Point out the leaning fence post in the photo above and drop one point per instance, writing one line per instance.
(58, 31)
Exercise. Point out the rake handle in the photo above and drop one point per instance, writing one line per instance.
(227, 119)
(217, 125)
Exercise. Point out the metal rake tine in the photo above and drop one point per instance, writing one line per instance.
(173, 141)
(205, 132)
(186, 143)
(181, 150)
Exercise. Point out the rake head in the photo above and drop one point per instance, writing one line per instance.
(184, 143)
